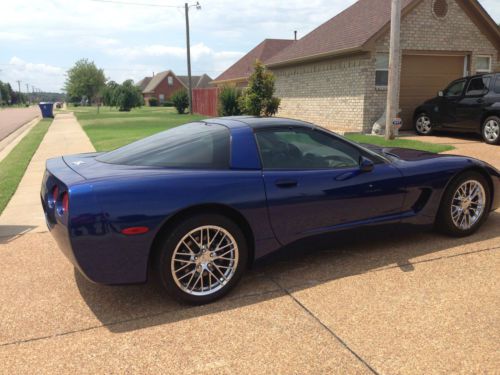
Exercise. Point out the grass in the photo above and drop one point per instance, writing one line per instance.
(111, 129)
(405, 143)
(12, 168)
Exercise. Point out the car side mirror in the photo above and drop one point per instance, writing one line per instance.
(366, 165)
(440, 93)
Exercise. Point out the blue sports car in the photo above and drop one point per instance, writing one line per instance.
(199, 203)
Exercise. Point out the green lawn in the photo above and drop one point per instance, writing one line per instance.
(15, 163)
(405, 143)
(111, 129)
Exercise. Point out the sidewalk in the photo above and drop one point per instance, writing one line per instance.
(24, 211)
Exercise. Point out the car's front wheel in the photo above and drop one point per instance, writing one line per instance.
(465, 205)
(423, 125)
(491, 130)
(202, 258)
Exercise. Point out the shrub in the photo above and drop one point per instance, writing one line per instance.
(153, 102)
(258, 99)
(228, 101)
(181, 101)
(127, 96)
(168, 103)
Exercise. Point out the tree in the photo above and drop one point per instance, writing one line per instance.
(228, 101)
(5, 94)
(108, 93)
(181, 101)
(84, 80)
(127, 96)
(257, 99)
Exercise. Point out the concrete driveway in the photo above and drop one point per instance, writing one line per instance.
(394, 301)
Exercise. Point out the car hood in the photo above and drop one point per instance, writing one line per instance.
(406, 154)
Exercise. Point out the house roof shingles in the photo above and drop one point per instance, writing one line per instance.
(143, 83)
(202, 81)
(348, 30)
(263, 52)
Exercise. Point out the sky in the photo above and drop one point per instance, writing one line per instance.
(41, 40)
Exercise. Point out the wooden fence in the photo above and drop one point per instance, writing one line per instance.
(205, 101)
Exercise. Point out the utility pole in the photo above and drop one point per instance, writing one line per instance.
(1, 103)
(19, 91)
(28, 93)
(394, 69)
(188, 48)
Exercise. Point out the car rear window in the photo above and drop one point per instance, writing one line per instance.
(196, 145)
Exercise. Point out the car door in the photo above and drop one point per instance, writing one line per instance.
(314, 183)
(447, 108)
(471, 106)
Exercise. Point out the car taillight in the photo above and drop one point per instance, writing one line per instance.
(55, 193)
(65, 202)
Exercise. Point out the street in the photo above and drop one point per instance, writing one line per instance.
(12, 119)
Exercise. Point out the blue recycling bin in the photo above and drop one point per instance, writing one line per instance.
(47, 109)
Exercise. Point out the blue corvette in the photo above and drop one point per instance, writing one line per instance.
(200, 202)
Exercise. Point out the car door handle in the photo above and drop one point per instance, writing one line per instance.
(286, 183)
(480, 100)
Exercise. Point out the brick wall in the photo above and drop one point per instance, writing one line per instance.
(340, 93)
(165, 89)
(328, 93)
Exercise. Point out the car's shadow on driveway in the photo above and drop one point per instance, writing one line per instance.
(298, 267)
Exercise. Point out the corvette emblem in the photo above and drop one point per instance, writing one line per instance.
(77, 163)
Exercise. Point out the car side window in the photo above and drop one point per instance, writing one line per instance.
(478, 86)
(295, 148)
(455, 89)
(497, 85)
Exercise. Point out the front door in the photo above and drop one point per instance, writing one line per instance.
(314, 183)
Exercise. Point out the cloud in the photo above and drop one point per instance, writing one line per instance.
(13, 36)
(43, 76)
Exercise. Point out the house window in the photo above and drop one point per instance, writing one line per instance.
(483, 64)
(170, 80)
(162, 98)
(382, 69)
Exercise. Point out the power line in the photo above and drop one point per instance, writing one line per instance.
(138, 4)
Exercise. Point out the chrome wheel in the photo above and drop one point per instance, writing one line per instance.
(491, 130)
(423, 124)
(468, 204)
(204, 260)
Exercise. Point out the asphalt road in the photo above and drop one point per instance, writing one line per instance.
(13, 118)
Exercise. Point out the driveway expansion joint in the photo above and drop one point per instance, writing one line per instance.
(328, 329)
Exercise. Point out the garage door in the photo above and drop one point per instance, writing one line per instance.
(422, 77)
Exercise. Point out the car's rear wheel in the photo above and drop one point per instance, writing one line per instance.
(423, 125)
(465, 205)
(202, 258)
(491, 130)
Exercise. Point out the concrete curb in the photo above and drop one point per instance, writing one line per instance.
(11, 141)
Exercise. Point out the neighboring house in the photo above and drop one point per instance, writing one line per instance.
(237, 75)
(337, 75)
(162, 85)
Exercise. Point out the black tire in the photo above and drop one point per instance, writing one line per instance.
(423, 124)
(444, 220)
(490, 130)
(163, 260)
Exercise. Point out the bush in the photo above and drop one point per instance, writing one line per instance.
(181, 101)
(228, 101)
(127, 96)
(168, 103)
(258, 99)
(153, 102)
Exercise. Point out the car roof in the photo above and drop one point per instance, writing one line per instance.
(257, 122)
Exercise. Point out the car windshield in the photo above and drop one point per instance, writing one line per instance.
(455, 88)
(196, 145)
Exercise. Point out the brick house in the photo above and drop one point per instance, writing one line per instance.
(162, 85)
(238, 73)
(336, 76)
